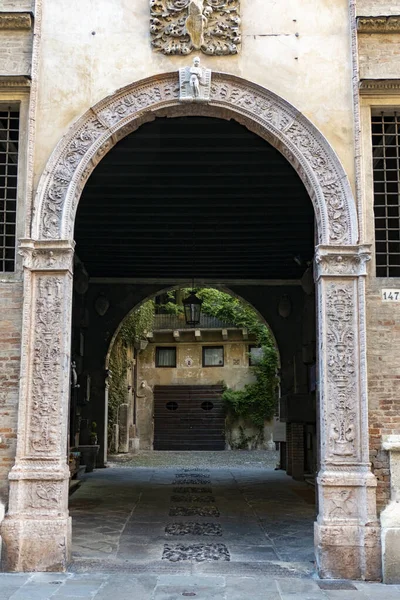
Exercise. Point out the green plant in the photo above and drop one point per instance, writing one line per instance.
(133, 329)
(256, 401)
(246, 441)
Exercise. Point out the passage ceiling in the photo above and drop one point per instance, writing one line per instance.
(194, 196)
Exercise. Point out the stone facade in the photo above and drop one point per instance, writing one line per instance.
(235, 373)
(294, 81)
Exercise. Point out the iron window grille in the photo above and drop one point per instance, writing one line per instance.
(386, 169)
(213, 356)
(255, 355)
(166, 357)
(9, 141)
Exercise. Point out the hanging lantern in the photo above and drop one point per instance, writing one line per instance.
(192, 307)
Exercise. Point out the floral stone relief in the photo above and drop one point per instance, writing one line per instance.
(181, 26)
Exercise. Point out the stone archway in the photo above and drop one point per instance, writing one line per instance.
(36, 531)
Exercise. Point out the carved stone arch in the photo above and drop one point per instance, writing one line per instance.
(260, 110)
(36, 531)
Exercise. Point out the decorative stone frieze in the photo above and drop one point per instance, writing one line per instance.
(181, 26)
(47, 256)
(15, 20)
(379, 87)
(342, 261)
(230, 97)
(383, 24)
(14, 81)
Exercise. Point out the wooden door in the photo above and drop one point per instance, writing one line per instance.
(189, 417)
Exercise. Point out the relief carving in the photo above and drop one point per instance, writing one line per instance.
(341, 504)
(45, 495)
(389, 24)
(63, 174)
(181, 26)
(45, 418)
(46, 259)
(194, 83)
(13, 20)
(341, 372)
(345, 261)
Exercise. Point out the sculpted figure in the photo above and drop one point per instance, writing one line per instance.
(196, 23)
(195, 77)
(195, 82)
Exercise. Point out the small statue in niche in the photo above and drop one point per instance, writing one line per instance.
(194, 82)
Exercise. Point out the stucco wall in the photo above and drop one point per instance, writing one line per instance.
(288, 48)
(376, 8)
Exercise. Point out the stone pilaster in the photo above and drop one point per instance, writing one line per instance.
(347, 533)
(390, 517)
(37, 530)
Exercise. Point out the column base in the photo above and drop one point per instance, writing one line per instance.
(390, 521)
(35, 544)
(348, 552)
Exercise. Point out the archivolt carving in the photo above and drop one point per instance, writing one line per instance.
(231, 97)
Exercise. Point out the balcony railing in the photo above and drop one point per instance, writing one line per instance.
(178, 322)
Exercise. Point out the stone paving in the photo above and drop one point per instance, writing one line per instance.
(210, 533)
(192, 520)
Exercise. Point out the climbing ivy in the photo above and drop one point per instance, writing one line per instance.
(133, 329)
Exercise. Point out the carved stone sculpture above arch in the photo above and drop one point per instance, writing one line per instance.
(260, 110)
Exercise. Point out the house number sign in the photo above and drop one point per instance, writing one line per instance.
(391, 295)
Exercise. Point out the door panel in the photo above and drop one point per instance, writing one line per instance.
(189, 418)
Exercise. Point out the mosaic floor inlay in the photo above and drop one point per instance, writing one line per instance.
(197, 552)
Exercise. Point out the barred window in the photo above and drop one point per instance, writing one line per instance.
(386, 166)
(9, 137)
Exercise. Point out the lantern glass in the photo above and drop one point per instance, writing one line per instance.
(192, 306)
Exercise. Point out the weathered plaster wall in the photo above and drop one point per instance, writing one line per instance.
(376, 8)
(235, 373)
(17, 5)
(289, 49)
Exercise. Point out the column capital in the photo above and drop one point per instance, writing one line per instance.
(51, 255)
(342, 261)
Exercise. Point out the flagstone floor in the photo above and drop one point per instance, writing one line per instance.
(190, 520)
(227, 532)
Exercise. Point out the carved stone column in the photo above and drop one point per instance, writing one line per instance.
(37, 530)
(347, 534)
